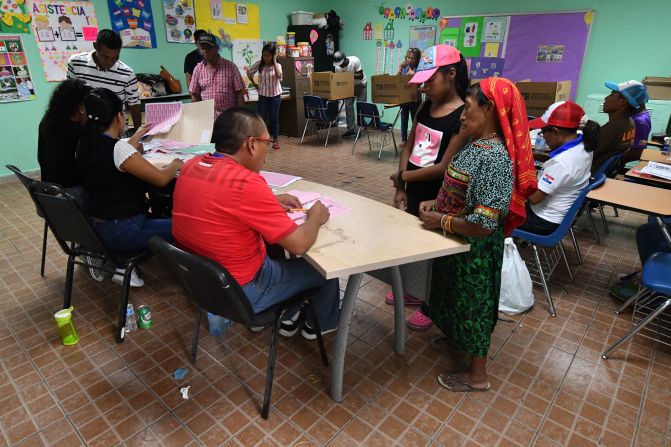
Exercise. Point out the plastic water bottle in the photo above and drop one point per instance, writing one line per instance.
(540, 142)
(665, 147)
(217, 324)
(131, 322)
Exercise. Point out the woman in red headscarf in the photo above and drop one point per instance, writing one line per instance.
(481, 199)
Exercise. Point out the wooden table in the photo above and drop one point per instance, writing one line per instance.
(634, 196)
(655, 155)
(371, 236)
(646, 178)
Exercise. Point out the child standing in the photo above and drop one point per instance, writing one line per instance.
(443, 72)
(408, 67)
(270, 89)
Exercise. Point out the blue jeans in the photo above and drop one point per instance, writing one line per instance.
(649, 239)
(408, 110)
(269, 109)
(132, 233)
(277, 281)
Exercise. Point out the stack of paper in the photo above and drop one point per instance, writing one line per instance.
(162, 116)
(278, 180)
(658, 170)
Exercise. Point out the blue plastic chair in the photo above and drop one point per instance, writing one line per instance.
(652, 299)
(369, 118)
(554, 240)
(608, 168)
(322, 114)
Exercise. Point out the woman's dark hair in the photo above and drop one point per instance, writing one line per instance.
(267, 48)
(590, 133)
(417, 53)
(65, 101)
(461, 81)
(476, 92)
(109, 38)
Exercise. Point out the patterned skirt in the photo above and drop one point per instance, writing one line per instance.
(465, 293)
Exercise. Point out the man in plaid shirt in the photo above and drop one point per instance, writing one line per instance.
(216, 78)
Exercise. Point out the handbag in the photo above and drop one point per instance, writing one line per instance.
(174, 86)
(516, 286)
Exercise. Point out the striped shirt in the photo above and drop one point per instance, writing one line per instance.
(219, 84)
(269, 84)
(120, 78)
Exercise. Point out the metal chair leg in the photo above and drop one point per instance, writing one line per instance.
(642, 293)
(69, 274)
(356, 139)
(393, 138)
(603, 219)
(617, 214)
(328, 132)
(370, 148)
(318, 330)
(271, 368)
(637, 327)
(196, 334)
(596, 232)
(382, 141)
(568, 266)
(123, 305)
(551, 305)
(304, 129)
(44, 248)
(575, 245)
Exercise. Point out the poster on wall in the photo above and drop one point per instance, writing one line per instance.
(245, 54)
(62, 29)
(494, 29)
(16, 83)
(469, 36)
(550, 53)
(134, 22)
(485, 67)
(14, 17)
(180, 20)
(228, 29)
(422, 37)
(450, 36)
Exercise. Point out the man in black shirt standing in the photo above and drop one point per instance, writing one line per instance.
(192, 59)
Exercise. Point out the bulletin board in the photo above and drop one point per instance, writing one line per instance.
(541, 47)
(228, 27)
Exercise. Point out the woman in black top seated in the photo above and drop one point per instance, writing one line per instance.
(117, 177)
(59, 133)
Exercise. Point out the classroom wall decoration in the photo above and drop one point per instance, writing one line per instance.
(422, 37)
(180, 20)
(245, 54)
(14, 17)
(228, 30)
(16, 83)
(408, 12)
(134, 22)
(61, 29)
(546, 47)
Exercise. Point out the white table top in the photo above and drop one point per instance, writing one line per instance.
(634, 196)
(371, 236)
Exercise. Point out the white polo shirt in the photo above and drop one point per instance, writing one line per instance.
(562, 178)
(120, 78)
(353, 66)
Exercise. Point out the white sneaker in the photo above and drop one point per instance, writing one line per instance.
(96, 274)
(135, 280)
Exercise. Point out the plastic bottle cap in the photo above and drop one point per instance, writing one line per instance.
(64, 314)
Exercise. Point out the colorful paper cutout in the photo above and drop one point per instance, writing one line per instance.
(16, 82)
(136, 25)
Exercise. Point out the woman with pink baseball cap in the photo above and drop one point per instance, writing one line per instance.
(442, 69)
(572, 139)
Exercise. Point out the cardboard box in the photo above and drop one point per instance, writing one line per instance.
(329, 85)
(658, 87)
(538, 96)
(388, 89)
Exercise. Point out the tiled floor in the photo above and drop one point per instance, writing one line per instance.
(549, 384)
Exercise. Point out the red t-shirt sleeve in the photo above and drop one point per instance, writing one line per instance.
(260, 210)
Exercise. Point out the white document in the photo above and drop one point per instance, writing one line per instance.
(658, 170)
(195, 124)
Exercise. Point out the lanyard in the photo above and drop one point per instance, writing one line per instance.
(566, 146)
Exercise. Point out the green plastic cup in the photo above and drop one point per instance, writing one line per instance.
(66, 326)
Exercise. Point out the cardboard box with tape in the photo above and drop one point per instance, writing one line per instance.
(538, 96)
(328, 85)
(391, 89)
(658, 87)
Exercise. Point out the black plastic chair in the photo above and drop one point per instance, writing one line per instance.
(76, 237)
(369, 118)
(26, 182)
(215, 290)
(322, 114)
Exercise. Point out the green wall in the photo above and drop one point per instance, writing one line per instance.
(628, 41)
(19, 120)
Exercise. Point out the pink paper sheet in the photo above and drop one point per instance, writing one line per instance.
(169, 144)
(278, 180)
(309, 198)
(162, 116)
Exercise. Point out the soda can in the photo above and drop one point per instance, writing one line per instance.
(144, 317)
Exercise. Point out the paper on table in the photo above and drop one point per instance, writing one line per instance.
(162, 116)
(169, 144)
(658, 170)
(278, 180)
(309, 198)
(195, 124)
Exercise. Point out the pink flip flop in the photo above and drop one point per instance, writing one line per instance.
(419, 322)
(409, 300)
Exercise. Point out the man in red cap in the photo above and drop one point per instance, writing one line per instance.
(568, 169)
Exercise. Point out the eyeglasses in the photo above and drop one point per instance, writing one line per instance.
(265, 140)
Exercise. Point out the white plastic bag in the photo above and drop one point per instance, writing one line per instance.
(516, 286)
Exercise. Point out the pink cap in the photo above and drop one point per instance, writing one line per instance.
(432, 59)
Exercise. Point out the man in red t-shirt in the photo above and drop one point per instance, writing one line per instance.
(224, 210)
